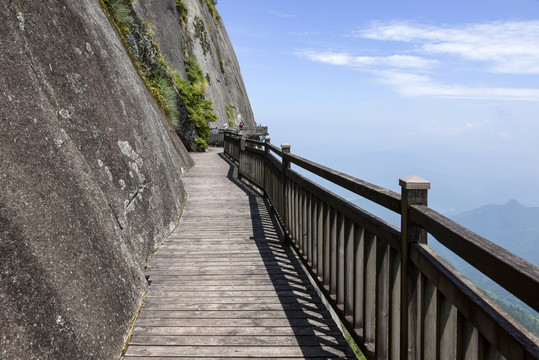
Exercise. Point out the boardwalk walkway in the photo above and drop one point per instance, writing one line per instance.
(223, 286)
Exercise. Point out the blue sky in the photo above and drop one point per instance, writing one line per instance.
(381, 90)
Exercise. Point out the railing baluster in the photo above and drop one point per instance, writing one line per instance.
(313, 230)
(327, 245)
(296, 214)
(359, 280)
(382, 298)
(448, 328)
(394, 304)
(430, 324)
(308, 231)
(334, 250)
(320, 239)
(467, 339)
(349, 267)
(369, 288)
(304, 232)
(340, 260)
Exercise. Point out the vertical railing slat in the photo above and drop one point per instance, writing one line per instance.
(382, 298)
(327, 245)
(320, 239)
(334, 250)
(369, 288)
(349, 272)
(448, 329)
(429, 326)
(359, 280)
(314, 228)
(394, 304)
(340, 260)
(467, 340)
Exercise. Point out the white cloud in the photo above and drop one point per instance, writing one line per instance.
(306, 33)
(346, 59)
(422, 85)
(506, 47)
(276, 13)
(499, 47)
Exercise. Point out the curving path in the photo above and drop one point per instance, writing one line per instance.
(224, 286)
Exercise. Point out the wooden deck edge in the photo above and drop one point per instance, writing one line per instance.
(132, 327)
(141, 300)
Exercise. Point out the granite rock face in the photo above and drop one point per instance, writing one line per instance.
(90, 182)
(204, 37)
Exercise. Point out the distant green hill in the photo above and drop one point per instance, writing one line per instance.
(512, 226)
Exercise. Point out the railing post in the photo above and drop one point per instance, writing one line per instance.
(414, 191)
(266, 153)
(241, 150)
(286, 166)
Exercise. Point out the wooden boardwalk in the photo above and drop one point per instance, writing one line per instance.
(223, 285)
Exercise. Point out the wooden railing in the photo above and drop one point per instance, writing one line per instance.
(396, 296)
(216, 137)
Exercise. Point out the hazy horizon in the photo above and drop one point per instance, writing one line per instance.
(448, 92)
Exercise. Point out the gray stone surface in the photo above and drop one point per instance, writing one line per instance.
(90, 182)
(205, 38)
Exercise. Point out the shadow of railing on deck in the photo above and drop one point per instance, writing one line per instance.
(315, 331)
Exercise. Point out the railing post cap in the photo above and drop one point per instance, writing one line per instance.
(286, 146)
(267, 138)
(414, 183)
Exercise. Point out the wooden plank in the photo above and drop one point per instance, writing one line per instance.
(229, 331)
(239, 351)
(321, 324)
(235, 314)
(258, 340)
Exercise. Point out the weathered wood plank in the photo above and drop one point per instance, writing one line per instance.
(240, 351)
(238, 340)
(235, 314)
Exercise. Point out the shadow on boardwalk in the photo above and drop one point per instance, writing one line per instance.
(315, 331)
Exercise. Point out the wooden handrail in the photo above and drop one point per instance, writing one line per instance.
(377, 194)
(396, 297)
(492, 260)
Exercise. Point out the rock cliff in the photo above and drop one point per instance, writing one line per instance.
(90, 170)
(204, 37)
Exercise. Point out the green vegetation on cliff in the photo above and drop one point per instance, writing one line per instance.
(213, 10)
(200, 110)
(170, 91)
(182, 11)
(230, 114)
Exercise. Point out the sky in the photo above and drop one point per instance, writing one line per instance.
(386, 89)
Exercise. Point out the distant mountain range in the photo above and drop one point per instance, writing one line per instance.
(512, 226)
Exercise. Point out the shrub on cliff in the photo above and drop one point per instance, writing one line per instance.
(165, 94)
(195, 75)
(200, 110)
